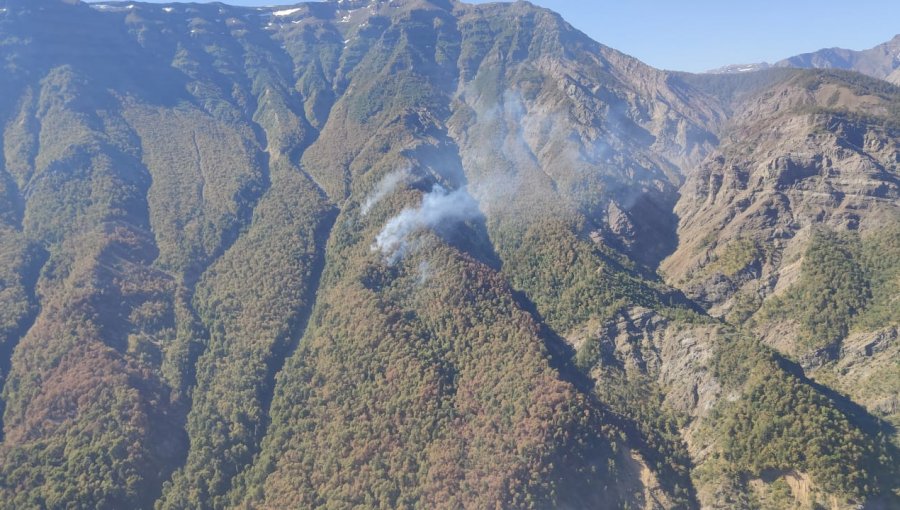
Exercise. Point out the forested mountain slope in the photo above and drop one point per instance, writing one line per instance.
(427, 254)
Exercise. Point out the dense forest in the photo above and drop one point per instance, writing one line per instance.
(429, 254)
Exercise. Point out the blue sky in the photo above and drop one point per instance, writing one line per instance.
(697, 35)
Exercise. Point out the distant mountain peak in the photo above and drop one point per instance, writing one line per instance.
(881, 61)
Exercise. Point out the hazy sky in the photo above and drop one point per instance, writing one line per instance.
(697, 35)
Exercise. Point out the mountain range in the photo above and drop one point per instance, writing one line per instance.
(882, 61)
(430, 254)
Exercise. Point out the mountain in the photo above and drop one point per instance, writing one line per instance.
(882, 61)
(422, 253)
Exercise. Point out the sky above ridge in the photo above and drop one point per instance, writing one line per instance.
(698, 35)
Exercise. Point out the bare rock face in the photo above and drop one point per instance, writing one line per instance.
(790, 160)
(642, 343)
(867, 369)
(620, 223)
(693, 388)
(894, 77)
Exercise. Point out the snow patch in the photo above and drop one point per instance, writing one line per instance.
(111, 8)
(168, 9)
(287, 12)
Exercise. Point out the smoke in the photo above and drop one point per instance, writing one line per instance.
(440, 209)
(385, 186)
(424, 271)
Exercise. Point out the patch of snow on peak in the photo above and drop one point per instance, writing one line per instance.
(168, 9)
(287, 12)
(111, 8)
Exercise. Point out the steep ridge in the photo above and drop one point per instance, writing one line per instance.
(815, 149)
(780, 227)
(403, 253)
(430, 154)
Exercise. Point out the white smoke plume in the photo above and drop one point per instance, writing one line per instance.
(424, 272)
(385, 186)
(440, 209)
